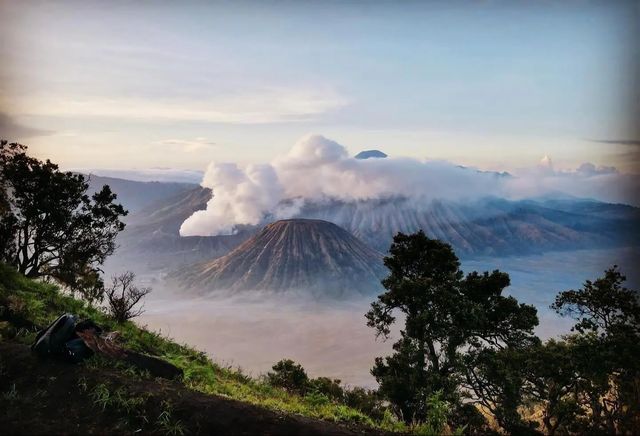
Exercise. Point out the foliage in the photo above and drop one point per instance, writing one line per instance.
(290, 376)
(123, 297)
(328, 387)
(49, 225)
(603, 307)
(8, 221)
(587, 382)
(603, 360)
(444, 312)
(365, 400)
(496, 378)
(167, 423)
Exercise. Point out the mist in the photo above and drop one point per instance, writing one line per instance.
(331, 339)
(317, 168)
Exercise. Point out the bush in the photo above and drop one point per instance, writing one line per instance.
(290, 376)
(328, 387)
(316, 399)
(364, 400)
(123, 297)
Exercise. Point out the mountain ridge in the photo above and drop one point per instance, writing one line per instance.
(480, 227)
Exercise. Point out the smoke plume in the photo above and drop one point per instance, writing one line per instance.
(318, 168)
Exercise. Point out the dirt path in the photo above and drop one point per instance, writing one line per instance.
(49, 397)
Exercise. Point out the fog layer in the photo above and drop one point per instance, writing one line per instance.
(332, 339)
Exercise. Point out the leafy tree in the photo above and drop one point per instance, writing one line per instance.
(50, 226)
(496, 378)
(290, 376)
(444, 314)
(552, 382)
(605, 356)
(86, 281)
(123, 296)
(8, 221)
(603, 307)
(585, 383)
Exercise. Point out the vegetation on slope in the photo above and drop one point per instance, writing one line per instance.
(27, 304)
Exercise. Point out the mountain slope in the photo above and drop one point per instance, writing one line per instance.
(482, 227)
(55, 398)
(296, 254)
(134, 195)
(151, 239)
(489, 226)
(106, 396)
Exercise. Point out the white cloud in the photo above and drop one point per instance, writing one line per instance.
(266, 105)
(189, 145)
(589, 169)
(603, 183)
(318, 168)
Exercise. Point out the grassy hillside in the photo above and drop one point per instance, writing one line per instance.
(26, 305)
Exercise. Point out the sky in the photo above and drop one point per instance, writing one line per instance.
(495, 85)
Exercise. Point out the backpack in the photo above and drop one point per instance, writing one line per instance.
(51, 340)
(59, 339)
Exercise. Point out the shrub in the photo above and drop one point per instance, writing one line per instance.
(328, 387)
(364, 400)
(123, 297)
(290, 376)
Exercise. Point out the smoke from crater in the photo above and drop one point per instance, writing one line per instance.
(317, 168)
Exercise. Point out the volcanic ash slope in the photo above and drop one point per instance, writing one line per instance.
(293, 255)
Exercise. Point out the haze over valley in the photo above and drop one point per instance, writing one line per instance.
(291, 287)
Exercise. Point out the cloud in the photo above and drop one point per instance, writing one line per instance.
(317, 169)
(146, 174)
(618, 141)
(589, 169)
(604, 183)
(189, 145)
(260, 106)
(14, 131)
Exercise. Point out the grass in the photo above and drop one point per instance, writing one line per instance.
(11, 394)
(40, 303)
(167, 423)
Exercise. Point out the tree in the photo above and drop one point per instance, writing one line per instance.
(603, 307)
(87, 282)
(123, 297)
(552, 381)
(444, 314)
(8, 221)
(50, 226)
(290, 376)
(604, 353)
(496, 378)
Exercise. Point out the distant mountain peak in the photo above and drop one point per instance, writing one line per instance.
(307, 255)
(369, 154)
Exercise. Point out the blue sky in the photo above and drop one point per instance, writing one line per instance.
(160, 84)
